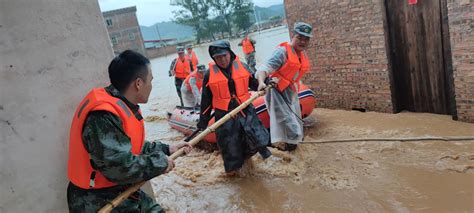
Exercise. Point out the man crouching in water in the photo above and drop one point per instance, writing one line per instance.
(225, 87)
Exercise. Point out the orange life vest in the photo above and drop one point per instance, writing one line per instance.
(218, 84)
(193, 59)
(198, 80)
(247, 46)
(182, 68)
(294, 63)
(80, 171)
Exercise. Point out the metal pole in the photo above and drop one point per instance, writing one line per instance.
(159, 35)
(256, 18)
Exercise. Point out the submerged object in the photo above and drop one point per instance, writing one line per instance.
(185, 119)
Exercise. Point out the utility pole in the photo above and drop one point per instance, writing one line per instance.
(159, 35)
(256, 18)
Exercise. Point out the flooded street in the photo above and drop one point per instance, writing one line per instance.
(379, 176)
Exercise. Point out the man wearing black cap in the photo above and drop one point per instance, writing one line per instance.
(180, 67)
(225, 87)
(286, 67)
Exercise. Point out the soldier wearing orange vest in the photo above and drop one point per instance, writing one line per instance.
(107, 147)
(180, 67)
(192, 56)
(248, 47)
(191, 88)
(225, 87)
(286, 67)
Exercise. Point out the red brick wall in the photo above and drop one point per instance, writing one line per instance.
(461, 25)
(348, 52)
(122, 25)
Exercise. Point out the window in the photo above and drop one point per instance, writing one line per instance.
(108, 22)
(131, 36)
(114, 40)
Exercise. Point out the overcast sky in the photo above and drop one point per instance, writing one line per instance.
(150, 12)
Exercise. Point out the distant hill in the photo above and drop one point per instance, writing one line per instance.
(167, 30)
(181, 32)
(266, 12)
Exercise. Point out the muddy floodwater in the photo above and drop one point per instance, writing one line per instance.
(378, 176)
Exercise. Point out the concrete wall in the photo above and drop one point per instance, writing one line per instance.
(348, 52)
(460, 16)
(51, 53)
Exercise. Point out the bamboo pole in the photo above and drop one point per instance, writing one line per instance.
(119, 199)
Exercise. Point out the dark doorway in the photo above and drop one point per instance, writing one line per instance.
(420, 56)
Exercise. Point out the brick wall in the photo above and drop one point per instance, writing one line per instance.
(460, 15)
(162, 51)
(125, 29)
(348, 52)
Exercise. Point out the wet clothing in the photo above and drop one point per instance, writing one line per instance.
(191, 90)
(109, 149)
(218, 83)
(178, 80)
(242, 136)
(283, 106)
(248, 47)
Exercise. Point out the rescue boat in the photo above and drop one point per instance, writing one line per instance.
(184, 119)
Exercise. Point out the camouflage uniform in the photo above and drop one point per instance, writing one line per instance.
(250, 58)
(240, 137)
(109, 150)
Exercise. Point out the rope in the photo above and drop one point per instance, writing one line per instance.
(434, 138)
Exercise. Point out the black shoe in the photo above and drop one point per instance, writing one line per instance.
(291, 147)
(265, 153)
(285, 147)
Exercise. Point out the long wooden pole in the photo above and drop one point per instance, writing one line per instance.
(119, 199)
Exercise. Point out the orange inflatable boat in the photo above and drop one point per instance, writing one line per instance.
(184, 119)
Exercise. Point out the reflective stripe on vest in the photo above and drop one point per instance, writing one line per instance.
(293, 69)
(198, 80)
(247, 46)
(182, 68)
(219, 86)
(80, 171)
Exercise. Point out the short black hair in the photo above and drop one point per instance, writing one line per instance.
(126, 68)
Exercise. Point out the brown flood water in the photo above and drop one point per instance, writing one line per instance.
(428, 176)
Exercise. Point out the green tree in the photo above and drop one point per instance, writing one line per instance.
(223, 11)
(194, 13)
(275, 18)
(242, 13)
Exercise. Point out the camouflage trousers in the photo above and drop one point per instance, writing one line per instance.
(250, 58)
(241, 137)
(91, 200)
(178, 82)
